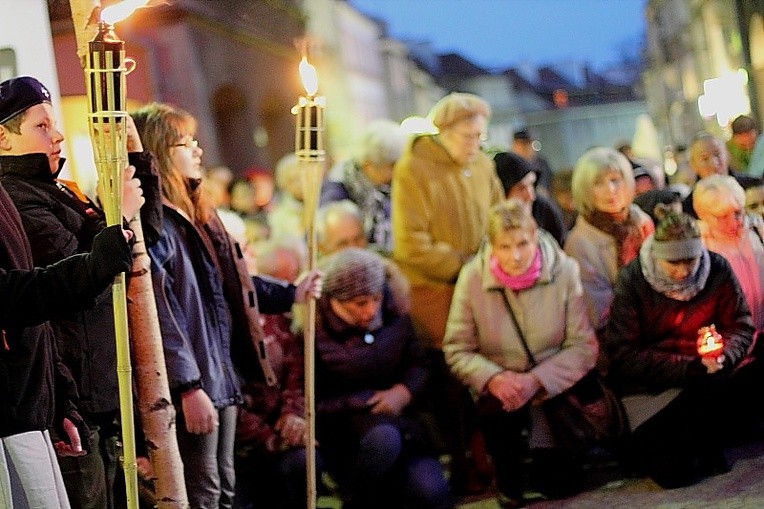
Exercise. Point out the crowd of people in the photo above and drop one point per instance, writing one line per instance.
(457, 294)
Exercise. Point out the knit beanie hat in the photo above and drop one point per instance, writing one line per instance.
(511, 169)
(353, 272)
(19, 94)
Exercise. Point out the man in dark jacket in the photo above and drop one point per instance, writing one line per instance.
(38, 391)
(518, 179)
(59, 222)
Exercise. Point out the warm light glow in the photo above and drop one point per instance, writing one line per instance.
(417, 125)
(725, 97)
(309, 77)
(710, 342)
(118, 12)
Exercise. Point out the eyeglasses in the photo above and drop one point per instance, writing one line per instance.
(471, 136)
(187, 144)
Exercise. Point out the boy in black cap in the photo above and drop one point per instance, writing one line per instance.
(523, 145)
(37, 391)
(61, 221)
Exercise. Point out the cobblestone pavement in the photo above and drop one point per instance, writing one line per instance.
(741, 488)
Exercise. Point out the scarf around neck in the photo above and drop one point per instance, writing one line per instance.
(521, 282)
(661, 283)
(624, 227)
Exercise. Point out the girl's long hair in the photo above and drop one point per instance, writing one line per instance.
(161, 126)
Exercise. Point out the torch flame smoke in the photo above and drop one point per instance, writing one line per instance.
(118, 12)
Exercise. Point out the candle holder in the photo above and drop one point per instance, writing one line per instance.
(105, 74)
(309, 149)
(710, 343)
(106, 86)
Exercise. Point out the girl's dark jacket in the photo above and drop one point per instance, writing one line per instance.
(36, 389)
(59, 223)
(218, 273)
(651, 339)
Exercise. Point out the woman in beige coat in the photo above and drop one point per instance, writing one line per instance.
(520, 272)
(609, 229)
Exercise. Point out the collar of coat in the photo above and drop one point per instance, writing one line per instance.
(30, 166)
(551, 258)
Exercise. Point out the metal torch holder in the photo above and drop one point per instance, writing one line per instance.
(106, 88)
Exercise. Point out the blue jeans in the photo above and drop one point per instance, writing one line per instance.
(208, 462)
(383, 474)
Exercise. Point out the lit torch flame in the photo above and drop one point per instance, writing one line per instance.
(118, 12)
(309, 77)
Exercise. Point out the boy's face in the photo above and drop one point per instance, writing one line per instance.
(708, 157)
(38, 135)
(754, 200)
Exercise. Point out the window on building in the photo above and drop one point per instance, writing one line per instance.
(7, 63)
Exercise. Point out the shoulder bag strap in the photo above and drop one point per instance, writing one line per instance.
(518, 329)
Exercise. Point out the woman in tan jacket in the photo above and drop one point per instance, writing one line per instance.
(520, 273)
(443, 186)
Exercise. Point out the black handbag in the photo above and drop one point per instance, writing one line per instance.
(586, 414)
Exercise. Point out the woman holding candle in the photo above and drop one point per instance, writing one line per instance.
(208, 312)
(520, 271)
(682, 405)
(609, 228)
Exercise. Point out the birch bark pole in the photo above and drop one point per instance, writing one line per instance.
(153, 398)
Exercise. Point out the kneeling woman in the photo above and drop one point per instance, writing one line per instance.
(683, 407)
(518, 334)
(370, 378)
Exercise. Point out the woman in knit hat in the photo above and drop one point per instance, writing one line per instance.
(683, 407)
(370, 378)
(519, 181)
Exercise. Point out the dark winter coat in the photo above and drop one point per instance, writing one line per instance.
(208, 308)
(36, 387)
(651, 339)
(264, 404)
(59, 223)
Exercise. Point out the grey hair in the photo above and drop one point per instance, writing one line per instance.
(285, 171)
(455, 107)
(269, 251)
(591, 165)
(382, 143)
(714, 191)
(331, 211)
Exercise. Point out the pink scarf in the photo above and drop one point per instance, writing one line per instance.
(522, 281)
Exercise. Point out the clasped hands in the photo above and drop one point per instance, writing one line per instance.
(513, 390)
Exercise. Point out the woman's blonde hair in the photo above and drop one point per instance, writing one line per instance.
(511, 214)
(162, 126)
(717, 192)
(593, 163)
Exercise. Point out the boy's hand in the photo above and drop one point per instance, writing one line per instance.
(74, 447)
(134, 143)
(132, 194)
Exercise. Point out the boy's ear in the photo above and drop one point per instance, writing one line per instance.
(5, 142)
